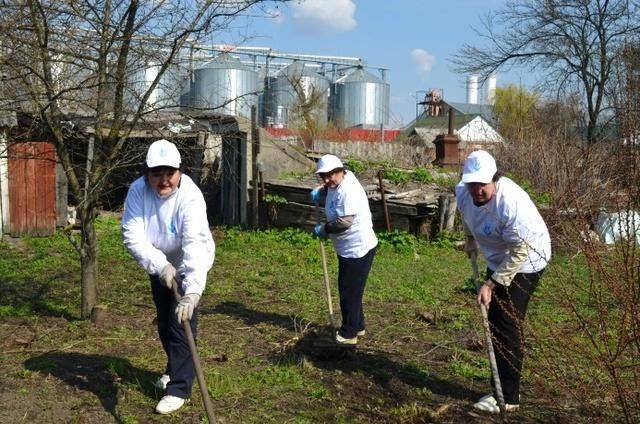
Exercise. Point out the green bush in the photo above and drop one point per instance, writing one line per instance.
(399, 240)
(295, 237)
(397, 176)
(355, 165)
(422, 175)
(448, 239)
(274, 198)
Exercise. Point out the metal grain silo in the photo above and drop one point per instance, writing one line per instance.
(293, 88)
(167, 93)
(225, 85)
(360, 99)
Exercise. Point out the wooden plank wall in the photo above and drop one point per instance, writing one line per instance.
(32, 189)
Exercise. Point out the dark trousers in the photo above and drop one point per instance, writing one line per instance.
(174, 341)
(506, 318)
(352, 277)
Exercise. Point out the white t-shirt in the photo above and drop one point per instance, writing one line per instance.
(347, 199)
(175, 229)
(509, 217)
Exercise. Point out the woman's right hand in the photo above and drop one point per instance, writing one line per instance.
(484, 294)
(167, 275)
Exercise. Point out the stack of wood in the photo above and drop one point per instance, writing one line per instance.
(417, 211)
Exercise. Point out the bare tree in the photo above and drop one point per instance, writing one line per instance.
(575, 43)
(63, 59)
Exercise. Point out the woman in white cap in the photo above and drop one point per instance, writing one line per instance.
(503, 223)
(165, 229)
(351, 230)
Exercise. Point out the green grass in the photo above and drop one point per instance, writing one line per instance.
(264, 296)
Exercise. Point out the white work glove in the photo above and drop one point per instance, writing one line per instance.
(167, 275)
(186, 306)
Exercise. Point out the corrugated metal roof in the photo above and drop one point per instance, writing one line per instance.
(225, 61)
(486, 111)
(426, 135)
(360, 75)
(442, 122)
(297, 69)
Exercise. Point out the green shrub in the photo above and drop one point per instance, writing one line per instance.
(295, 237)
(274, 198)
(355, 165)
(397, 176)
(422, 175)
(448, 239)
(399, 240)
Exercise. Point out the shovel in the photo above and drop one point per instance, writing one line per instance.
(327, 285)
(208, 405)
(487, 334)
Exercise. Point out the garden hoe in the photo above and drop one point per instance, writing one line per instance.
(208, 405)
(487, 334)
(332, 345)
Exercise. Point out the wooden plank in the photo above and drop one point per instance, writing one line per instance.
(51, 211)
(301, 195)
(393, 208)
(45, 189)
(12, 172)
(30, 188)
(40, 190)
(16, 189)
(302, 216)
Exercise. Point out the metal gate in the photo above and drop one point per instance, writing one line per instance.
(32, 188)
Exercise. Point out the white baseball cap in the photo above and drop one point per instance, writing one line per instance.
(163, 153)
(479, 167)
(328, 163)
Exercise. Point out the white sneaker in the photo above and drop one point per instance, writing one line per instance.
(162, 382)
(169, 404)
(361, 333)
(345, 341)
(489, 404)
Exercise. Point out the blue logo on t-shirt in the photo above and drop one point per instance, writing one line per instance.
(486, 229)
(172, 228)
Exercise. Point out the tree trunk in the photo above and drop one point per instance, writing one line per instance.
(88, 261)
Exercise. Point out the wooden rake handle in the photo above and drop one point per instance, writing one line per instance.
(186, 324)
(325, 271)
(487, 334)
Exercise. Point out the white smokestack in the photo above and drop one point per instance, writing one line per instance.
(491, 89)
(472, 89)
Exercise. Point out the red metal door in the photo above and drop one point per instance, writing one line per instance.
(32, 189)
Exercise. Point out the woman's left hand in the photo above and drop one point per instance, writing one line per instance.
(484, 294)
(316, 193)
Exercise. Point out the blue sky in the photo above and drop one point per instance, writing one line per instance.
(413, 38)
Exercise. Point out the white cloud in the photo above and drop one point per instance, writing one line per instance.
(424, 60)
(324, 16)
